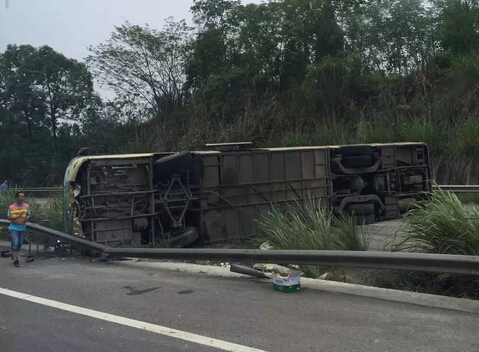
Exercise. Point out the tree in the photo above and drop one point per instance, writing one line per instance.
(211, 14)
(67, 85)
(143, 62)
(257, 50)
(460, 26)
(40, 91)
(397, 36)
(23, 85)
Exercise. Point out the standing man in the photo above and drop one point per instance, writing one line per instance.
(4, 186)
(18, 214)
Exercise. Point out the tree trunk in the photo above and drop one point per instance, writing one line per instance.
(54, 128)
(159, 107)
(29, 126)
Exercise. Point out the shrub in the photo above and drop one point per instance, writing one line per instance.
(375, 132)
(467, 139)
(296, 139)
(335, 133)
(51, 210)
(441, 226)
(435, 135)
(309, 226)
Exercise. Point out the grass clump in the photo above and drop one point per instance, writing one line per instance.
(296, 139)
(51, 211)
(441, 226)
(309, 226)
(434, 134)
(6, 199)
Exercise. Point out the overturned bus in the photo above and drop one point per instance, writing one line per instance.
(215, 194)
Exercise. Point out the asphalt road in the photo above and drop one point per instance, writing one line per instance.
(382, 233)
(243, 311)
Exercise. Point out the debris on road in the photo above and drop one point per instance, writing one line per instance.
(248, 271)
(271, 268)
(287, 282)
(327, 276)
(265, 246)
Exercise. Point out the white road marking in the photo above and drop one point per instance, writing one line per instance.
(137, 324)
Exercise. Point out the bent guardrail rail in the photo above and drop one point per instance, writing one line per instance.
(45, 231)
(458, 188)
(434, 263)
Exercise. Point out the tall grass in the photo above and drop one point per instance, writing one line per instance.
(308, 225)
(442, 118)
(442, 226)
(375, 132)
(435, 135)
(297, 139)
(51, 210)
(335, 132)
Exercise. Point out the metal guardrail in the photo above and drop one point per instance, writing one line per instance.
(459, 188)
(45, 192)
(38, 191)
(435, 263)
(41, 192)
(45, 231)
(42, 189)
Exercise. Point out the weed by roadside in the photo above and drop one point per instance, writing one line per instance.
(51, 211)
(309, 226)
(468, 198)
(441, 226)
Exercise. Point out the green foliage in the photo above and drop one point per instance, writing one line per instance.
(442, 226)
(42, 90)
(375, 132)
(51, 210)
(467, 139)
(309, 226)
(296, 72)
(328, 82)
(6, 199)
(297, 139)
(140, 62)
(67, 86)
(335, 133)
(434, 134)
(460, 26)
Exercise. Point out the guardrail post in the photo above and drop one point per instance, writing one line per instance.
(46, 240)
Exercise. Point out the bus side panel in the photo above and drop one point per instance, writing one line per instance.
(250, 182)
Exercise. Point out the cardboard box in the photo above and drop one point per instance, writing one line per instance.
(287, 282)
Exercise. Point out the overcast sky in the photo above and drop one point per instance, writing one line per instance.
(70, 26)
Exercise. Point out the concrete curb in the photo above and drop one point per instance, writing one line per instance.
(421, 299)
